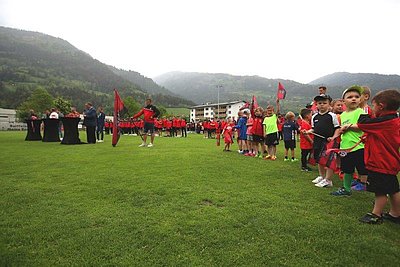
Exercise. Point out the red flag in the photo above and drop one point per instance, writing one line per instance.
(246, 105)
(119, 109)
(281, 91)
(253, 105)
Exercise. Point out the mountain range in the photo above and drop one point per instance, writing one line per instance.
(29, 60)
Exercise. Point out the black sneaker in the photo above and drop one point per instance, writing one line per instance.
(371, 219)
(388, 217)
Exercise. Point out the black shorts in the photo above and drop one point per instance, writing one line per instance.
(353, 160)
(290, 144)
(272, 139)
(148, 127)
(317, 151)
(382, 184)
(250, 138)
(258, 138)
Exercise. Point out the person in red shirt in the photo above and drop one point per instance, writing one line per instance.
(183, 127)
(206, 128)
(281, 122)
(227, 133)
(381, 155)
(257, 131)
(150, 113)
(306, 140)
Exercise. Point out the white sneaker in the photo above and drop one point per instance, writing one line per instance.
(143, 145)
(150, 145)
(318, 179)
(324, 183)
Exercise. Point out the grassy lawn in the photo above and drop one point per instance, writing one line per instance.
(182, 202)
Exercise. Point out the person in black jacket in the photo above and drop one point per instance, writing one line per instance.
(101, 117)
(89, 121)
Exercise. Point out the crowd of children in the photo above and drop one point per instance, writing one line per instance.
(167, 127)
(339, 136)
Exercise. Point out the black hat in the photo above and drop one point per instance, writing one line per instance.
(323, 97)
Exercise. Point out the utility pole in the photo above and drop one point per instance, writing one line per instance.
(218, 87)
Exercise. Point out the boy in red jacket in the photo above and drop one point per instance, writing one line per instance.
(382, 156)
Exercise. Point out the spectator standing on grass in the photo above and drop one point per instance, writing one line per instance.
(89, 120)
(306, 140)
(101, 117)
(290, 130)
(242, 128)
(150, 113)
(324, 125)
(351, 137)
(271, 130)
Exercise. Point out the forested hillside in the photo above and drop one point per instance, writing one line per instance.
(203, 87)
(30, 60)
(375, 81)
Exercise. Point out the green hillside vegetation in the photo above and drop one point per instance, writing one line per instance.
(29, 60)
(202, 88)
(373, 80)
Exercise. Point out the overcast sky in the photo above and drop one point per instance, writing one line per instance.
(291, 39)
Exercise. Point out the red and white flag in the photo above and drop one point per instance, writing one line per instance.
(281, 91)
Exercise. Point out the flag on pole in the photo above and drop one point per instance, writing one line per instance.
(253, 105)
(119, 110)
(281, 91)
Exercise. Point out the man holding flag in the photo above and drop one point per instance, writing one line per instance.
(150, 113)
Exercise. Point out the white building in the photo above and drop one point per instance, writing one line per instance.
(210, 111)
(8, 120)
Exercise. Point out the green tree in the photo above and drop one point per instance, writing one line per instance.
(132, 106)
(63, 105)
(163, 111)
(39, 101)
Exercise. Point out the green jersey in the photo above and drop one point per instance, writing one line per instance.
(350, 137)
(270, 124)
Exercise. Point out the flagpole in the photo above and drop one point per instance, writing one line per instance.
(218, 87)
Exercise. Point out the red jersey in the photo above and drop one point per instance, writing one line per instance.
(304, 143)
(382, 142)
(176, 123)
(150, 112)
(257, 128)
(183, 123)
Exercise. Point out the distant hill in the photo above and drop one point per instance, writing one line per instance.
(202, 88)
(31, 59)
(142, 81)
(375, 81)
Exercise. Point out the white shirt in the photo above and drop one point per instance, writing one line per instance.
(53, 115)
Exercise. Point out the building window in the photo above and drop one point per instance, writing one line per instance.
(229, 112)
(206, 114)
(229, 106)
(206, 108)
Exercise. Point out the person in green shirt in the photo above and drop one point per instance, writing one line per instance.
(350, 140)
(271, 132)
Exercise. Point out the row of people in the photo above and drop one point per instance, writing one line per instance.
(335, 138)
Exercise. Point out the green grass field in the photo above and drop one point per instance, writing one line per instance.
(183, 202)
